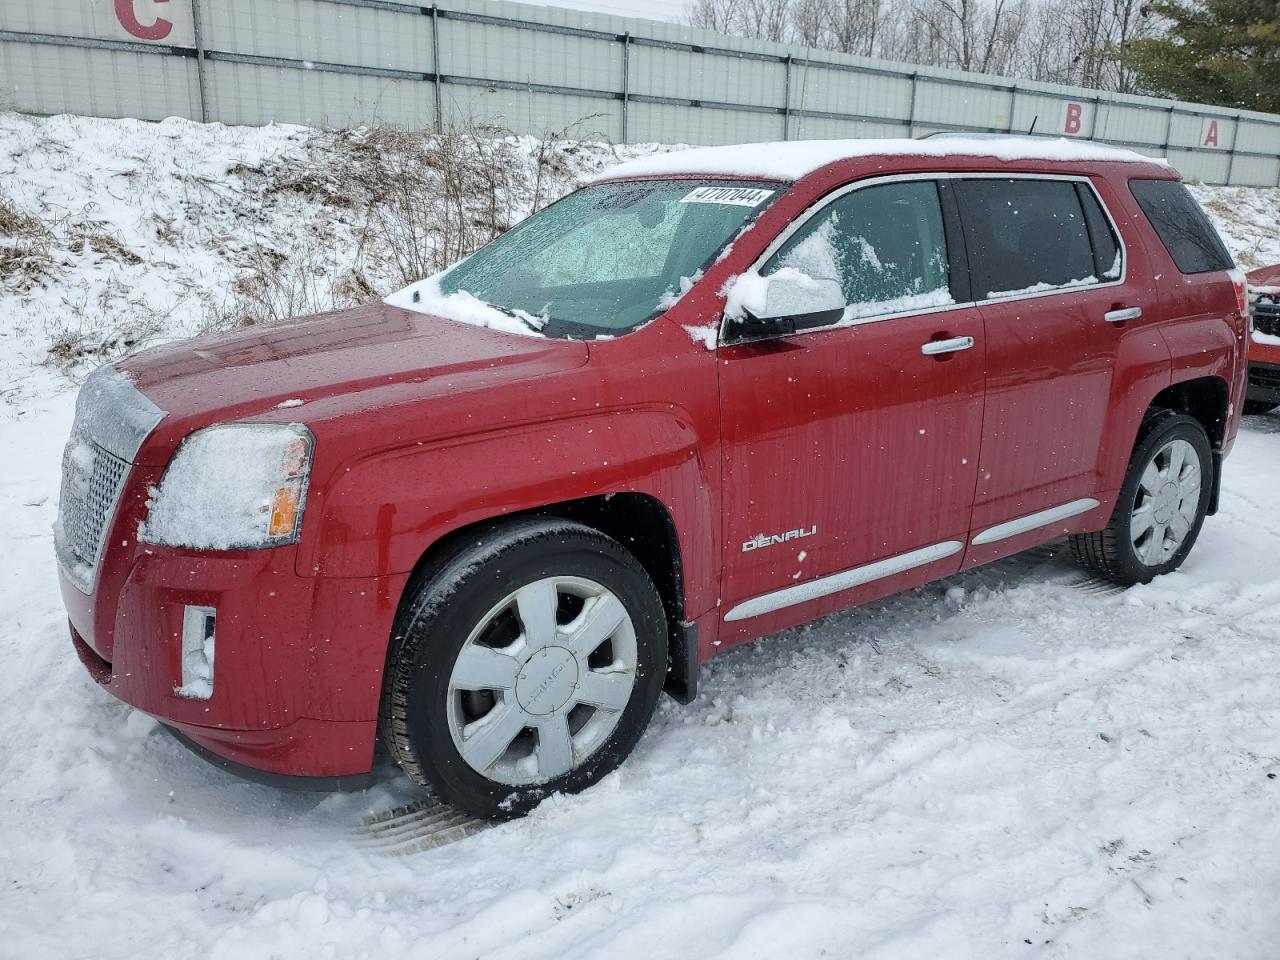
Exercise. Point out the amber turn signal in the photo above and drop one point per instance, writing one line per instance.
(284, 510)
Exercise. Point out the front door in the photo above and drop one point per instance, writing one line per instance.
(851, 452)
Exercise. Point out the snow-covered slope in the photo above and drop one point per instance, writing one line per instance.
(1008, 764)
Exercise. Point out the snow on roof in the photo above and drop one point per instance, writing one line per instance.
(793, 159)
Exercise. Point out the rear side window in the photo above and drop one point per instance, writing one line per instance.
(1106, 248)
(1024, 236)
(885, 245)
(1181, 226)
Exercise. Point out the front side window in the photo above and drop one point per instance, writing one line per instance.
(884, 245)
(1181, 225)
(608, 258)
(1024, 236)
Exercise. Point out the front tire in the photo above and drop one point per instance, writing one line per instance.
(528, 662)
(1161, 506)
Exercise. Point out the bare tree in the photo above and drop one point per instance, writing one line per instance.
(1065, 41)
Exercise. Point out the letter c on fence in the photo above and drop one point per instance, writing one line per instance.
(128, 18)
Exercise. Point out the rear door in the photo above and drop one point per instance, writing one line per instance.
(850, 452)
(1052, 279)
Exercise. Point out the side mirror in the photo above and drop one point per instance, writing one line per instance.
(792, 301)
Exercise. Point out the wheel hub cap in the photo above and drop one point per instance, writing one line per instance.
(1167, 503)
(547, 680)
(542, 680)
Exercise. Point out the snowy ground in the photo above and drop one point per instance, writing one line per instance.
(1007, 764)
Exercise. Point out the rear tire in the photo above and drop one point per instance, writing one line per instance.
(1161, 506)
(1256, 407)
(528, 662)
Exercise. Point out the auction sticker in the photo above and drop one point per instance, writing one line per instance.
(738, 196)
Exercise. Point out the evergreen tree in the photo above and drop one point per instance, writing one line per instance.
(1222, 52)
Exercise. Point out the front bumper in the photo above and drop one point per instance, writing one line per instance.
(297, 672)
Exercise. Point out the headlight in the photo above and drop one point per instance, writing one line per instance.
(232, 487)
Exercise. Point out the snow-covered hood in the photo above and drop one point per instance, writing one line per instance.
(275, 372)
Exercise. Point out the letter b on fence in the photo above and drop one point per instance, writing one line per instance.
(1074, 122)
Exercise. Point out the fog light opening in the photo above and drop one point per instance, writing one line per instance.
(197, 653)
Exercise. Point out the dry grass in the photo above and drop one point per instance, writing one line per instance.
(278, 287)
(433, 200)
(26, 249)
(416, 202)
(82, 339)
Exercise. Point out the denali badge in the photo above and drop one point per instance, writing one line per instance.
(768, 540)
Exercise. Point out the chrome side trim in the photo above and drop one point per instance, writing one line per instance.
(824, 586)
(1011, 528)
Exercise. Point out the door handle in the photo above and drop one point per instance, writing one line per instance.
(934, 347)
(1120, 316)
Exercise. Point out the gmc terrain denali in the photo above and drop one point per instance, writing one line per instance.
(708, 396)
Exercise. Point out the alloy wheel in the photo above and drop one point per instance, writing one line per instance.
(1164, 509)
(542, 680)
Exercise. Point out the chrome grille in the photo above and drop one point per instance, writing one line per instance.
(112, 420)
(86, 505)
(1266, 317)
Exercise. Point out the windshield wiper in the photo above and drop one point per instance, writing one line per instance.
(521, 315)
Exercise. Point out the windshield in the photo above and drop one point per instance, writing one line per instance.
(606, 259)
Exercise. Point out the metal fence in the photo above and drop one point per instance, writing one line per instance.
(541, 69)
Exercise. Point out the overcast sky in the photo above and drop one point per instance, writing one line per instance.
(673, 10)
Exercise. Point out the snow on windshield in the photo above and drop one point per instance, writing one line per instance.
(425, 296)
(602, 261)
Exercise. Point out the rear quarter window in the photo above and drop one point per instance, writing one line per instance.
(1181, 225)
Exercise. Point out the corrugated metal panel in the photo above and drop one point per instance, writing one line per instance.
(73, 18)
(324, 32)
(523, 56)
(1206, 167)
(676, 73)
(962, 106)
(838, 91)
(94, 18)
(661, 123)
(539, 114)
(1256, 170)
(99, 83)
(535, 69)
(1133, 125)
(252, 94)
(1257, 136)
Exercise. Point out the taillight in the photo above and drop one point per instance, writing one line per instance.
(1241, 286)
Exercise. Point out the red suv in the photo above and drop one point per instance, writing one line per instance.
(1263, 394)
(712, 395)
